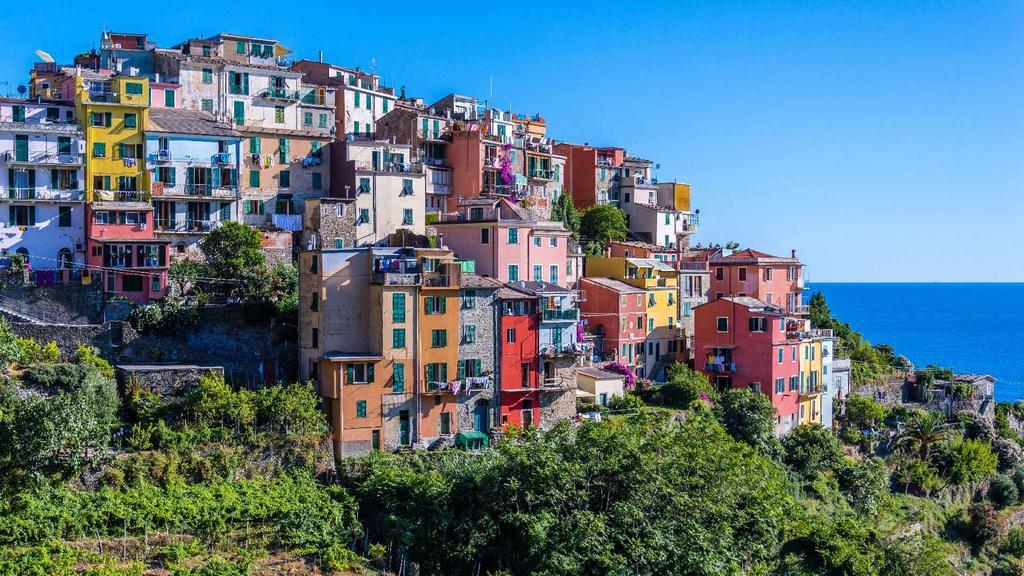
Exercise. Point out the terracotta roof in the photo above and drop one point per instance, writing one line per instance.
(749, 255)
(470, 280)
(178, 121)
(182, 57)
(598, 373)
(538, 287)
(508, 292)
(616, 285)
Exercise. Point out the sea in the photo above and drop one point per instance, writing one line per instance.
(969, 327)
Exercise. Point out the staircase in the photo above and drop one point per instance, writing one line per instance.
(23, 312)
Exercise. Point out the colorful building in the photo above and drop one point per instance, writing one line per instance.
(387, 187)
(42, 181)
(518, 361)
(659, 280)
(119, 217)
(748, 272)
(428, 134)
(742, 342)
(505, 243)
(616, 314)
(194, 163)
(592, 174)
(478, 370)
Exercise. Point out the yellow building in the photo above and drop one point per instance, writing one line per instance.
(660, 282)
(810, 381)
(114, 113)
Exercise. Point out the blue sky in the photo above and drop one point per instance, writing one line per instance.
(882, 140)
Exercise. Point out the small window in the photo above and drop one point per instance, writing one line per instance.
(722, 323)
(207, 75)
(360, 408)
(131, 120)
(758, 324)
(485, 236)
(513, 235)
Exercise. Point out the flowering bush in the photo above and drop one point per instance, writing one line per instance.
(620, 368)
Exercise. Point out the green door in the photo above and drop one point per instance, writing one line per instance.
(403, 428)
(21, 148)
(239, 112)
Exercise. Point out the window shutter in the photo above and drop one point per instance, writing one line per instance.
(106, 183)
(11, 221)
(162, 255)
(462, 369)
(54, 177)
(245, 83)
(350, 373)
(107, 117)
(32, 181)
(369, 372)
(92, 118)
(444, 305)
(171, 175)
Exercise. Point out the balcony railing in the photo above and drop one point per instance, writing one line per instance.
(396, 278)
(439, 189)
(447, 279)
(195, 191)
(282, 94)
(556, 315)
(186, 226)
(801, 309)
(45, 157)
(539, 174)
(221, 158)
(439, 135)
(120, 196)
(571, 349)
(391, 167)
(506, 189)
(57, 126)
(43, 194)
(724, 368)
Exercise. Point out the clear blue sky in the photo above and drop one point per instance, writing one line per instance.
(882, 140)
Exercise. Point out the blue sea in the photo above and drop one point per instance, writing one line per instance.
(967, 327)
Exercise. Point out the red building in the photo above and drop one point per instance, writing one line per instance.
(772, 279)
(592, 174)
(121, 243)
(742, 342)
(519, 358)
(616, 314)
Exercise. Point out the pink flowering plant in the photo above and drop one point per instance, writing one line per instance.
(620, 368)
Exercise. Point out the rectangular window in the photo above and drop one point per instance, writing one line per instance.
(398, 307)
(364, 216)
(285, 179)
(438, 338)
(780, 385)
(757, 324)
(398, 378)
(322, 121)
(360, 408)
(469, 334)
(64, 217)
(63, 145)
(316, 181)
(207, 104)
(513, 272)
(743, 274)
(538, 273)
(780, 354)
(130, 120)
(207, 75)
(398, 338)
(254, 178)
(719, 273)
(282, 150)
(513, 235)
(133, 88)
(407, 217)
(168, 98)
(18, 113)
(510, 336)
(239, 47)
(435, 304)
(358, 373)
(307, 117)
(99, 150)
(553, 273)
(722, 323)
(794, 383)
(279, 114)
(469, 299)
(358, 100)
(485, 236)
(445, 425)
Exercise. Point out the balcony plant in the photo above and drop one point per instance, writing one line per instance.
(620, 368)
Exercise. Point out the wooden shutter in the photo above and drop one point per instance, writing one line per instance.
(162, 255)
(350, 373)
(11, 217)
(369, 372)
(245, 83)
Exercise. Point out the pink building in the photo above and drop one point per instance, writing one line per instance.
(772, 279)
(120, 242)
(505, 244)
(742, 342)
(616, 314)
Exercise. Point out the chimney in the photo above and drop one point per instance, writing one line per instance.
(794, 253)
(320, 56)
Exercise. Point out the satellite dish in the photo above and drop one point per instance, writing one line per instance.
(22, 89)
(44, 56)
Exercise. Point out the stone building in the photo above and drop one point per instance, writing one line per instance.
(329, 223)
(478, 314)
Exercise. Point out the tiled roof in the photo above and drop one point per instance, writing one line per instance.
(479, 282)
(182, 57)
(651, 263)
(538, 287)
(616, 285)
(749, 255)
(598, 373)
(178, 121)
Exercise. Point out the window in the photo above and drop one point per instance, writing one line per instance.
(133, 87)
(64, 216)
(63, 145)
(513, 235)
(757, 324)
(536, 241)
(358, 373)
(307, 117)
(154, 285)
(650, 324)
(169, 98)
(794, 383)
(719, 273)
(285, 179)
(407, 217)
(384, 105)
(369, 101)
(364, 216)
(279, 114)
(469, 334)
(485, 236)
(553, 242)
(99, 150)
(358, 100)
(756, 387)
(360, 408)
(254, 178)
(19, 113)
(553, 273)
(364, 186)
(794, 354)
(406, 187)
(445, 425)
(650, 300)
(131, 120)
(255, 207)
(437, 373)
(397, 378)
(513, 272)
(538, 273)
(806, 353)
(435, 304)
(239, 47)
(780, 354)
(398, 307)
(282, 150)
(356, 130)
(780, 385)
(722, 323)
(322, 121)
(131, 283)
(398, 338)
(743, 274)
(207, 75)
(510, 336)
(316, 181)
(768, 274)
(469, 299)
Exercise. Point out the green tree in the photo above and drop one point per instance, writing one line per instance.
(601, 224)
(924, 430)
(9, 350)
(683, 386)
(970, 462)
(184, 272)
(565, 212)
(811, 449)
(863, 411)
(865, 484)
(1002, 491)
(233, 252)
(749, 417)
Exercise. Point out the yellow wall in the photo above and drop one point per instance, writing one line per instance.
(662, 311)
(112, 164)
(810, 363)
(682, 197)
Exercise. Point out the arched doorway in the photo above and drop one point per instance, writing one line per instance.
(64, 259)
(480, 423)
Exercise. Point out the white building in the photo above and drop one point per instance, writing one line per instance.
(389, 190)
(42, 178)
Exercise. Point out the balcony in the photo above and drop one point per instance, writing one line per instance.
(439, 189)
(396, 278)
(221, 158)
(186, 226)
(506, 189)
(450, 278)
(435, 135)
(63, 127)
(801, 309)
(493, 162)
(639, 181)
(159, 156)
(564, 350)
(390, 167)
(161, 190)
(43, 194)
(42, 158)
(539, 174)
(120, 196)
(560, 315)
(282, 94)
(723, 368)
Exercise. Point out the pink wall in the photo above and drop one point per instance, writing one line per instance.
(493, 259)
(465, 156)
(604, 307)
(755, 285)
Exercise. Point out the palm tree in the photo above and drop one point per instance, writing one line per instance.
(922, 431)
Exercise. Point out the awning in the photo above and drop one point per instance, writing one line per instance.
(471, 439)
(720, 346)
(583, 394)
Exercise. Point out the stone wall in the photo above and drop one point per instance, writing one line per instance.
(169, 380)
(68, 337)
(557, 405)
(337, 221)
(483, 315)
(72, 303)
(467, 405)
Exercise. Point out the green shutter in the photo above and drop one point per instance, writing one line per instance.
(254, 144)
(254, 178)
(398, 381)
(369, 372)
(444, 304)
(171, 176)
(462, 369)
(398, 307)
(350, 373)
(245, 83)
